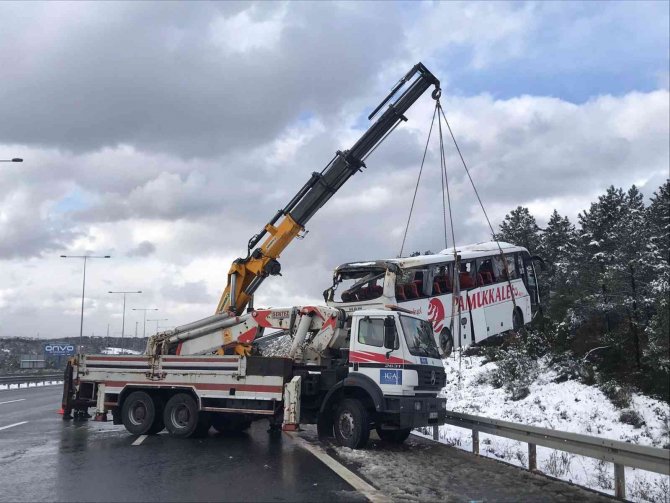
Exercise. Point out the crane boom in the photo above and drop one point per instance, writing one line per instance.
(247, 274)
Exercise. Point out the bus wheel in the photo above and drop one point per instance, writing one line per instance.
(181, 415)
(446, 341)
(352, 424)
(138, 413)
(394, 436)
(517, 319)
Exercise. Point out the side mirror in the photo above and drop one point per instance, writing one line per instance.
(389, 333)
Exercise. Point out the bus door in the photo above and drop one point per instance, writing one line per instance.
(530, 281)
(476, 315)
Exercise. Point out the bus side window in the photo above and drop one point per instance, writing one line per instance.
(466, 276)
(498, 268)
(511, 268)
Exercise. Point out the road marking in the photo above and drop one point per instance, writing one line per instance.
(140, 439)
(370, 492)
(12, 425)
(11, 401)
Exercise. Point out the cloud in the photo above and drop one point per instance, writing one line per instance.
(166, 135)
(144, 249)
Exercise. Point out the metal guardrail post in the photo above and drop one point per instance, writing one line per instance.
(532, 457)
(619, 481)
(475, 441)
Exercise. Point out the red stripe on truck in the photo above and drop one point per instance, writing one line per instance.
(212, 359)
(260, 388)
(367, 357)
(118, 358)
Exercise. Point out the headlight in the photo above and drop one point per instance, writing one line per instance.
(417, 405)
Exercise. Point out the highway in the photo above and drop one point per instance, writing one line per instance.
(43, 458)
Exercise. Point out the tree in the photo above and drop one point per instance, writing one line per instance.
(558, 250)
(520, 228)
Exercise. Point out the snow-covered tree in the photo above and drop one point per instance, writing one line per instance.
(520, 228)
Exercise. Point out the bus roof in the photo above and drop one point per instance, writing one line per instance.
(447, 255)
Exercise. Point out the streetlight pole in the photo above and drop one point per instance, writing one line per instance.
(15, 159)
(123, 319)
(157, 320)
(83, 289)
(145, 309)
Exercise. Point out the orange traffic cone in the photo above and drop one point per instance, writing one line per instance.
(61, 411)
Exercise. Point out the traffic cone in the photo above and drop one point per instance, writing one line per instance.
(61, 411)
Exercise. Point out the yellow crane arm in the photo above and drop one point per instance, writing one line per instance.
(246, 274)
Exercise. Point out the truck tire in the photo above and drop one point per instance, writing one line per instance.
(352, 424)
(159, 424)
(394, 436)
(138, 413)
(230, 423)
(181, 415)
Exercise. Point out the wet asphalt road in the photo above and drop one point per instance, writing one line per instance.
(47, 459)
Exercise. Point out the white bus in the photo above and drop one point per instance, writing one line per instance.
(496, 294)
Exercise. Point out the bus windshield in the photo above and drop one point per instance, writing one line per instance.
(419, 337)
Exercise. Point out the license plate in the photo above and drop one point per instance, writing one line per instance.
(432, 415)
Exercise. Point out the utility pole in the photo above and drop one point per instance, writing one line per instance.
(83, 290)
(145, 309)
(123, 319)
(157, 320)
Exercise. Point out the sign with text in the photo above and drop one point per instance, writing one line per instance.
(59, 349)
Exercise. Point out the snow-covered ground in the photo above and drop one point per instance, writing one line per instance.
(119, 351)
(565, 406)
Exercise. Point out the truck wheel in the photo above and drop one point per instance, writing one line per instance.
(159, 424)
(181, 415)
(352, 424)
(138, 413)
(230, 423)
(394, 436)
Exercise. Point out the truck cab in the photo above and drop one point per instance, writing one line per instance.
(393, 377)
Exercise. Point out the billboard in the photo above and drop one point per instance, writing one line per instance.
(59, 349)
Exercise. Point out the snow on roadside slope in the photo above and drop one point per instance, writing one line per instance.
(119, 351)
(566, 406)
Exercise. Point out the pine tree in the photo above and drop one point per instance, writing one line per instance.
(656, 291)
(558, 249)
(520, 228)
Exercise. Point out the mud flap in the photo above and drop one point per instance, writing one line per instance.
(68, 391)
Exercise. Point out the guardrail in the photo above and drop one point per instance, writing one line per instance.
(28, 378)
(622, 454)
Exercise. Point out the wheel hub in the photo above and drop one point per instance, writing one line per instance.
(346, 424)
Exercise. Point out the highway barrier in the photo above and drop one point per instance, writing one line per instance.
(621, 454)
(28, 378)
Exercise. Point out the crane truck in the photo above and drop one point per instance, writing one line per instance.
(347, 373)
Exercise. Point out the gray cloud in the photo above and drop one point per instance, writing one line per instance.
(144, 249)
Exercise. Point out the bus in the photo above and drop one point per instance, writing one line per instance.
(498, 291)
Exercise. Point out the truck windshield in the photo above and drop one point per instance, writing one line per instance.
(419, 337)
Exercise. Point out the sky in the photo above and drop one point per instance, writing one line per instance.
(167, 134)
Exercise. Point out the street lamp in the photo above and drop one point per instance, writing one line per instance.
(83, 290)
(123, 320)
(15, 159)
(145, 309)
(157, 320)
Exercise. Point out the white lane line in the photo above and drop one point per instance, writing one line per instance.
(12, 425)
(370, 492)
(140, 439)
(11, 401)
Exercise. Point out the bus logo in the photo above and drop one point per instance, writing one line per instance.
(436, 314)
